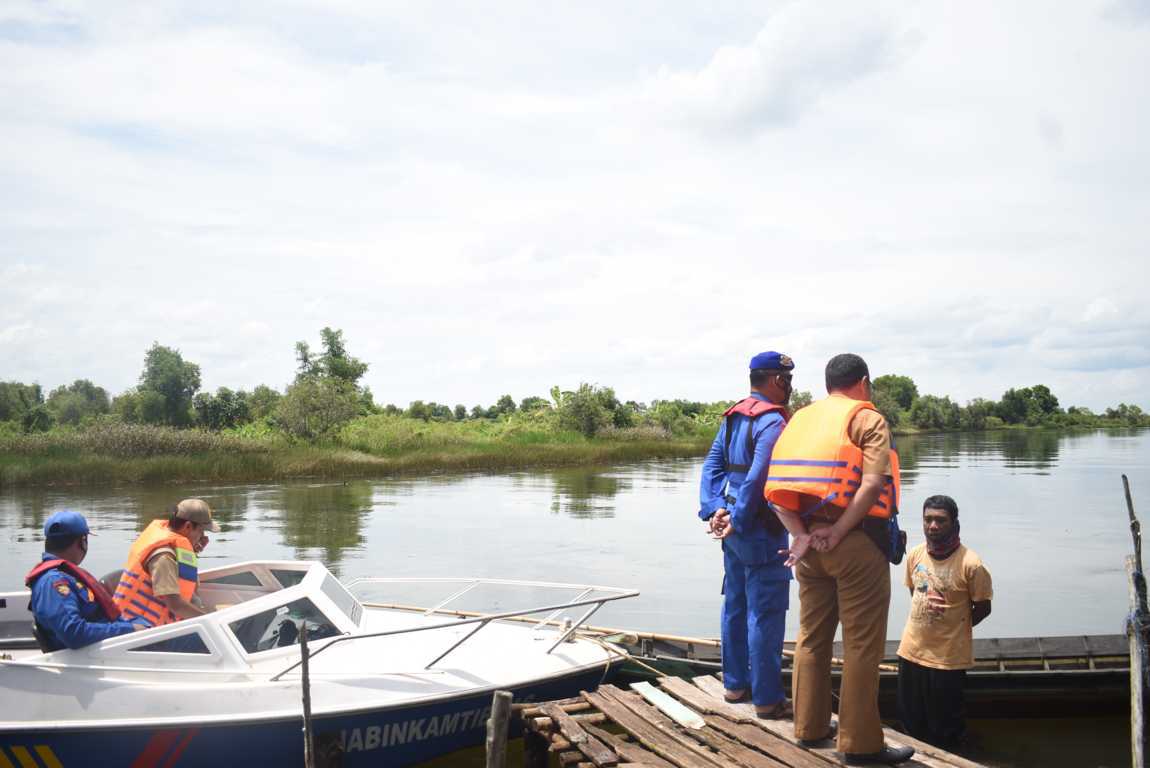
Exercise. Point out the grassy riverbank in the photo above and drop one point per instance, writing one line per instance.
(371, 447)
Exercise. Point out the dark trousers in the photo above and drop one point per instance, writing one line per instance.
(931, 705)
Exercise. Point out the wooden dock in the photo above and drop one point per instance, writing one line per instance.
(678, 723)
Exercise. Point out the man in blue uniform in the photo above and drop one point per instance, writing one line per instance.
(756, 589)
(71, 606)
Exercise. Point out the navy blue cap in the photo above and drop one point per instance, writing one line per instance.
(65, 523)
(772, 361)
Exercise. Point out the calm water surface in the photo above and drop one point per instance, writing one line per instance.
(1044, 509)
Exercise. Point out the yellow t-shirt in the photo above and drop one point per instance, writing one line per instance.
(943, 641)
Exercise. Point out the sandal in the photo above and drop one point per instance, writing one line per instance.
(745, 695)
(781, 711)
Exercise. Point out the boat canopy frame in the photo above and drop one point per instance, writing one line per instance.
(583, 599)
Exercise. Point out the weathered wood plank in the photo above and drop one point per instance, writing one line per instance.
(665, 745)
(728, 751)
(670, 707)
(592, 748)
(632, 753)
(703, 701)
(770, 744)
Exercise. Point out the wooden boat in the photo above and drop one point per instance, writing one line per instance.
(1013, 676)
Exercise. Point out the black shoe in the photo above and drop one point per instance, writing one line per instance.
(823, 742)
(886, 756)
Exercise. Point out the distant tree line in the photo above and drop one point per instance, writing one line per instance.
(327, 394)
(898, 399)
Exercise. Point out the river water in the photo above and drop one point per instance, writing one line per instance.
(1044, 509)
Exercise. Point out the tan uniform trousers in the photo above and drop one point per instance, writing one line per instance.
(851, 583)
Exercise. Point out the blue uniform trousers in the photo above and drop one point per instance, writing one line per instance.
(755, 602)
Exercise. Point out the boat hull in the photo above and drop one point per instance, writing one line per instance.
(394, 737)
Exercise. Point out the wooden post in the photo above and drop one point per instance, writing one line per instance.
(308, 744)
(497, 729)
(535, 754)
(1138, 633)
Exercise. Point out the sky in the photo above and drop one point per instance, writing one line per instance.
(496, 198)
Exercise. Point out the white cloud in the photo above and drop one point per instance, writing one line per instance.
(494, 202)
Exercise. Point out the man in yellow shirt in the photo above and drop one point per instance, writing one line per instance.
(950, 592)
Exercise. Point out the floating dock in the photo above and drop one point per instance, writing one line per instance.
(677, 723)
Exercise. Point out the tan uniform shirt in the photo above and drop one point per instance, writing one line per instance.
(164, 571)
(943, 640)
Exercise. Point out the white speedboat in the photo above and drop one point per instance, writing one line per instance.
(387, 686)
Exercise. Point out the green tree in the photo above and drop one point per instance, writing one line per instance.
(586, 410)
(17, 399)
(39, 419)
(901, 389)
(931, 412)
(887, 404)
(223, 410)
(333, 363)
(262, 402)
(800, 398)
(167, 374)
(977, 413)
(532, 403)
(418, 410)
(460, 412)
(313, 408)
(1130, 415)
(505, 405)
(80, 400)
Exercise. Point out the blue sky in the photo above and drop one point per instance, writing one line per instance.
(501, 198)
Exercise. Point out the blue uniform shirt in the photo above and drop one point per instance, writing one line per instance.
(68, 614)
(751, 540)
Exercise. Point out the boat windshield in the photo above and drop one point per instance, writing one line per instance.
(343, 599)
(279, 627)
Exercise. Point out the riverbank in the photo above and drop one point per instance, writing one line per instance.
(257, 461)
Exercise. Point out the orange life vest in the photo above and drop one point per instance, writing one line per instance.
(134, 593)
(814, 459)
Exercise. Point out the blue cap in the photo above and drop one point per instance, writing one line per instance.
(65, 523)
(772, 361)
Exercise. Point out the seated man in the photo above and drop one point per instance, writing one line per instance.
(71, 606)
(159, 581)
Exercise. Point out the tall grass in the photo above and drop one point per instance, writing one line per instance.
(373, 446)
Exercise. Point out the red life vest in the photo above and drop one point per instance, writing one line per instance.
(99, 592)
(751, 407)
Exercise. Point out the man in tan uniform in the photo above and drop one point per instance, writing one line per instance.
(950, 592)
(843, 576)
(191, 518)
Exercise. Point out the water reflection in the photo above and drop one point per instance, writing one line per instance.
(585, 493)
(327, 517)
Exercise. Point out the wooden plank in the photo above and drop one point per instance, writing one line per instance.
(669, 706)
(729, 751)
(666, 745)
(770, 744)
(702, 701)
(592, 748)
(632, 753)
(926, 754)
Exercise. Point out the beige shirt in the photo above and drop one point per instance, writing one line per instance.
(943, 640)
(164, 571)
